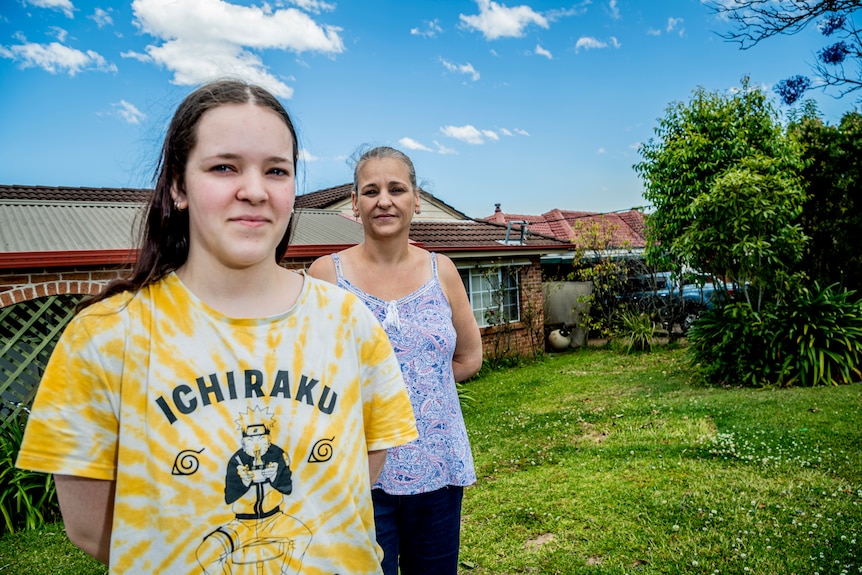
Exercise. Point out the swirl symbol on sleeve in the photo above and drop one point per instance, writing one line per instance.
(187, 462)
(322, 451)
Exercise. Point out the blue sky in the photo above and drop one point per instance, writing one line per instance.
(536, 105)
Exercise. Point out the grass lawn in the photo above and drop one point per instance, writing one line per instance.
(599, 463)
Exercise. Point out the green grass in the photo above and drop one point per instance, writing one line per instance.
(594, 462)
(601, 463)
(45, 551)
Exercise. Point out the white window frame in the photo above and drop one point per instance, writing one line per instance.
(482, 285)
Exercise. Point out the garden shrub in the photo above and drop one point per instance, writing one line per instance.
(818, 337)
(813, 337)
(727, 345)
(27, 499)
(636, 330)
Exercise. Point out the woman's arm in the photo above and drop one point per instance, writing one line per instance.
(468, 348)
(376, 460)
(87, 506)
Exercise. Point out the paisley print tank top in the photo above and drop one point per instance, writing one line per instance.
(420, 328)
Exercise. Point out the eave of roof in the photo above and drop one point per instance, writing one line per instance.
(66, 258)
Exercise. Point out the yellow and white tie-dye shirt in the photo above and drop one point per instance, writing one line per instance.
(237, 445)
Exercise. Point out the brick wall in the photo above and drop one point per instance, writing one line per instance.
(520, 338)
(524, 338)
(17, 286)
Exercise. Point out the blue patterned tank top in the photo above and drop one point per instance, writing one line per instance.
(420, 328)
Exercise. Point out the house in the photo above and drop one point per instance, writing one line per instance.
(337, 199)
(59, 244)
(613, 234)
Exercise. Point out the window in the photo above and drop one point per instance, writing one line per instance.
(493, 294)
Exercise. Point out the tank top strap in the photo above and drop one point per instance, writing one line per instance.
(434, 265)
(337, 261)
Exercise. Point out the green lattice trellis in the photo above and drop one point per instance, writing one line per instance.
(29, 332)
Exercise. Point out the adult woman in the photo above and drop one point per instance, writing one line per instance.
(420, 300)
(196, 415)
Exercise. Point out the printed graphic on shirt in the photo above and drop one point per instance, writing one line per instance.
(261, 539)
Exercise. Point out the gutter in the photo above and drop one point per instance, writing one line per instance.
(65, 258)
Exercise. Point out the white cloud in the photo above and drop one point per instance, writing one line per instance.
(615, 11)
(590, 43)
(499, 21)
(432, 28)
(58, 33)
(521, 132)
(601, 150)
(102, 18)
(443, 150)
(412, 144)
(56, 57)
(63, 5)
(467, 133)
(315, 6)
(461, 68)
(653, 32)
(306, 156)
(559, 13)
(136, 56)
(128, 112)
(505, 132)
(672, 24)
(542, 52)
(470, 134)
(206, 39)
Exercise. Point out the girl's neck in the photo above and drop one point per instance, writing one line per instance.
(261, 291)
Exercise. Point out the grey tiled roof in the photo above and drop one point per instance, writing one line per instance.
(28, 226)
(46, 219)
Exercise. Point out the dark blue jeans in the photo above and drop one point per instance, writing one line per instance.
(420, 533)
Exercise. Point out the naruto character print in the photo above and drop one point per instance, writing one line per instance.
(261, 539)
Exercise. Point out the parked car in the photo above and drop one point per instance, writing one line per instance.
(670, 302)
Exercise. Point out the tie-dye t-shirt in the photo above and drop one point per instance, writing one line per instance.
(237, 445)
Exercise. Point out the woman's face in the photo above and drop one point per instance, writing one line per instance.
(385, 198)
(240, 186)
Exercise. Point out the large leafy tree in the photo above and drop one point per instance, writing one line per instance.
(757, 20)
(832, 213)
(721, 175)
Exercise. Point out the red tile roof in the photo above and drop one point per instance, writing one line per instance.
(626, 228)
(471, 234)
(322, 199)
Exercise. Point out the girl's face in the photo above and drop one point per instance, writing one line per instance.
(385, 198)
(239, 187)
